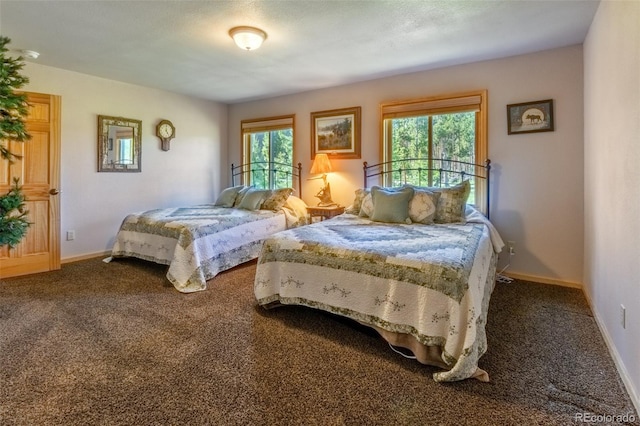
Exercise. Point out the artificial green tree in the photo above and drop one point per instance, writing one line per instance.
(13, 110)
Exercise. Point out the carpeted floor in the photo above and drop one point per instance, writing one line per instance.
(116, 344)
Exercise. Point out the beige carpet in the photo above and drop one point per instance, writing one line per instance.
(111, 344)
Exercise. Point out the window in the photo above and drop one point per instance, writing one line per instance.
(264, 141)
(431, 131)
(126, 151)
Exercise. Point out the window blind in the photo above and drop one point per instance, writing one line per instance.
(431, 106)
(267, 124)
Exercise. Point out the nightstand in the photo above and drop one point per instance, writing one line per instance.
(324, 212)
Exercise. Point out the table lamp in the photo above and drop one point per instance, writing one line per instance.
(322, 165)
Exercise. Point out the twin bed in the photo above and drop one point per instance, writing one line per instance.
(415, 263)
(199, 242)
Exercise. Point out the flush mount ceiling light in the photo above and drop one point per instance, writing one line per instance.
(247, 38)
(31, 54)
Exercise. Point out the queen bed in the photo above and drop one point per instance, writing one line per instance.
(415, 263)
(198, 242)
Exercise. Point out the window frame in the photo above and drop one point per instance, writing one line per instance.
(472, 101)
(265, 124)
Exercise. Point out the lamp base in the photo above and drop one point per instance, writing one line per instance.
(325, 197)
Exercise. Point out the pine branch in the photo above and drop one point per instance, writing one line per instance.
(13, 111)
(13, 216)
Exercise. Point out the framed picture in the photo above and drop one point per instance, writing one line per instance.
(530, 117)
(336, 133)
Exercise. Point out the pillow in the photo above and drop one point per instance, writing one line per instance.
(423, 206)
(253, 199)
(452, 203)
(228, 196)
(357, 202)
(391, 206)
(240, 196)
(297, 206)
(277, 199)
(366, 209)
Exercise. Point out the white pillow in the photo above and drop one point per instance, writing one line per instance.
(297, 205)
(253, 199)
(366, 208)
(228, 196)
(422, 207)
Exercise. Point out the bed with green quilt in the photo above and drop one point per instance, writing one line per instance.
(415, 263)
(198, 242)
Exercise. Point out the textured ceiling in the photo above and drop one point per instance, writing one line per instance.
(184, 46)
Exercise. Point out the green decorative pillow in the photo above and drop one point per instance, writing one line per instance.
(228, 196)
(357, 202)
(240, 195)
(277, 199)
(253, 198)
(391, 206)
(452, 203)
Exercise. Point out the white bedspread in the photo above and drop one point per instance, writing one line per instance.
(432, 282)
(196, 242)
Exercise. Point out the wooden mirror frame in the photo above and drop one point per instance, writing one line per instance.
(107, 145)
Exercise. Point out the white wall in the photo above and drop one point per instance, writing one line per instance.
(538, 181)
(93, 204)
(612, 176)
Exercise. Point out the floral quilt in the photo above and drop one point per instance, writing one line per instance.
(196, 242)
(432, 282)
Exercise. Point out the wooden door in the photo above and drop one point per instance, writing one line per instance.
(39, 174)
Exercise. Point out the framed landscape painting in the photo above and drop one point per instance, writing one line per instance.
(336, 133)
(530, 117)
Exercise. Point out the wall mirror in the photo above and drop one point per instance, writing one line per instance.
(119, 144)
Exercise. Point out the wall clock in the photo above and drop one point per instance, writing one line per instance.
(166, 131)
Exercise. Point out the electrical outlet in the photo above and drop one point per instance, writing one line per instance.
(623, 316)
(512, 247)
(71, 235)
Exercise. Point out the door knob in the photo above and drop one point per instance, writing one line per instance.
(54, 191)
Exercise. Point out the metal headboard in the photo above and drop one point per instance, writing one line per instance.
(434, 172)
(269, 173)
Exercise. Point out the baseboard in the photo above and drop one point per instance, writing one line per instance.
(85, 257)
(634, 395)
(622, 370)
(542, 280)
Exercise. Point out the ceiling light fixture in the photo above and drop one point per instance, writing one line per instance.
(31, 54)
(247, 38)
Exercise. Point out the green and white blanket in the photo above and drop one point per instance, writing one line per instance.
(196, 242)
(432, 282)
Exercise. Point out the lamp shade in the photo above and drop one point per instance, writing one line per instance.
(321, 165)
(248, 38)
